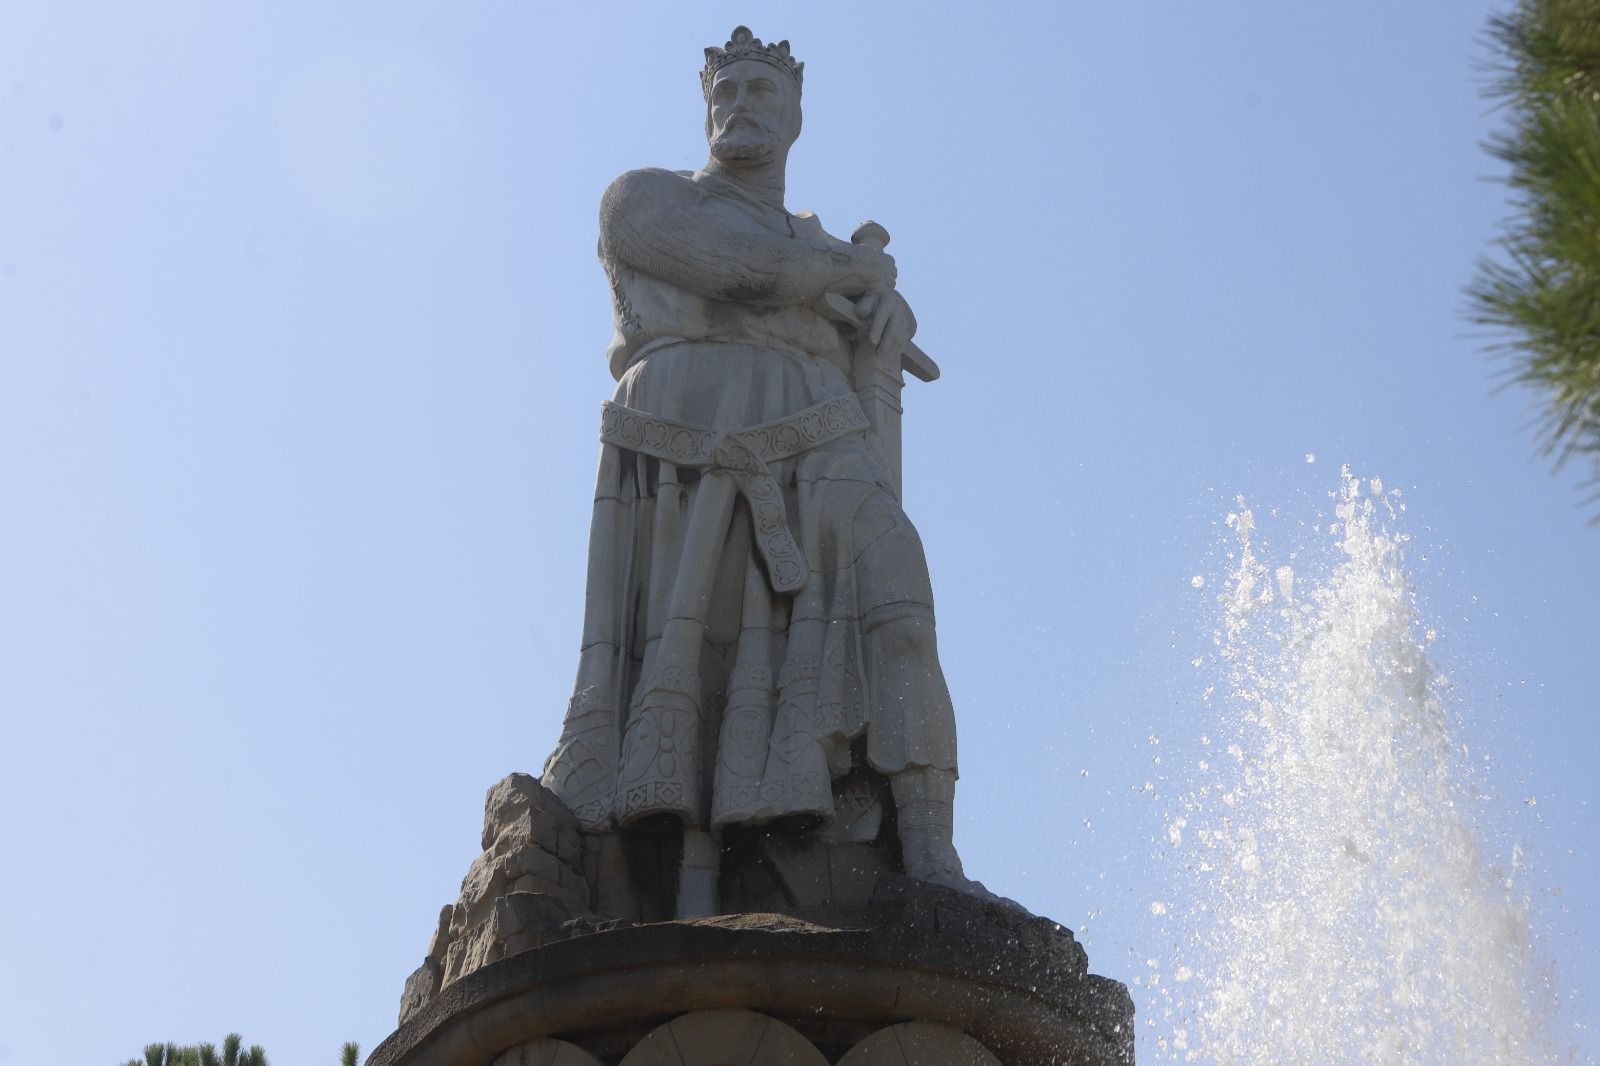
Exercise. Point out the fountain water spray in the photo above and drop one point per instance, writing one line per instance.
(1343, 910)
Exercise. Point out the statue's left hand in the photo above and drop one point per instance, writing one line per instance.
(890, 323)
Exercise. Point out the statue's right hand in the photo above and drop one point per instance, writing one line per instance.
(865, 269)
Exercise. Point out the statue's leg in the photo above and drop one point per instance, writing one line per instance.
(681, 642)
(924, 801)
(912, 735)
(697, 875)
(914, 738)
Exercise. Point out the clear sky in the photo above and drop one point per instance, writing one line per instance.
(301, 356)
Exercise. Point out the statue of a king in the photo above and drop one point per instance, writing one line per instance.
(759, 630)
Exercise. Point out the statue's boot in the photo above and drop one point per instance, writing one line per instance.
(924, 800)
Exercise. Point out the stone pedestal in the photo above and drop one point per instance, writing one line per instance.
(918, 975)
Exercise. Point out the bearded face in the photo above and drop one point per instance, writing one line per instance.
(753, 113)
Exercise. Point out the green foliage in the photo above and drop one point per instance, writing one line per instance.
(233, 1054)
(170, 1054)
(1545, 289)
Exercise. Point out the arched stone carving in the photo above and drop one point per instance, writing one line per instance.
(919, 1044)
(724, 1038)
(547, 1052)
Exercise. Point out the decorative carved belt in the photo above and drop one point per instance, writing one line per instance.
(743, 454)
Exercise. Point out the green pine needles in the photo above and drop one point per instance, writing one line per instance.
(233, 1054)
(1544, 290)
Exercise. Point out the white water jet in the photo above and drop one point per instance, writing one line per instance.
(1341, 908)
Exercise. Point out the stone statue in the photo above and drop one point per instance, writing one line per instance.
(758, 638)
(759, 623)
(760, 739)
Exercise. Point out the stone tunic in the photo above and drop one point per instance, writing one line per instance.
(719, 681)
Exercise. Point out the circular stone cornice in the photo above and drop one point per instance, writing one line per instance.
(1013, 982)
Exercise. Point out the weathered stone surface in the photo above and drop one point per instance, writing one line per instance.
(547, 1053)
(858, 803)
(519, 805)
(1016, 984)
(748, 486)
(529, 879)
(760, 721)
(524, 918)
(515, 922)
(724, 1038)
(814, 872)
(424, 982)
(919, 1044)
(421, 986)
(439, 943)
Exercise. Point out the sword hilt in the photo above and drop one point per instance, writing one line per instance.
(914, 360)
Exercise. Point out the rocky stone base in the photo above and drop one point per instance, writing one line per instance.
(840, 960)
(539, 873)
(925, 975)
(529, 880)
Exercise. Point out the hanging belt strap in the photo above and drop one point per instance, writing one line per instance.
(743, 454)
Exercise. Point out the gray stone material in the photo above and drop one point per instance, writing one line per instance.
(741, 849)
(547, 1052)
(759, 625)
(529, 880)
(723, 1038)
(919, 1044)
(1015, 984)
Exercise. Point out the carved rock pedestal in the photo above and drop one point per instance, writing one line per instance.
(919, 975)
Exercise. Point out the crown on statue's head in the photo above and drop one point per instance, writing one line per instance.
(744, 45)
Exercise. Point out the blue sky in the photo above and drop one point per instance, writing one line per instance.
(301, 355)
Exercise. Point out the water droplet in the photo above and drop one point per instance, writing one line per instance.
(1198, 581)
(1358, 812)
(1311, 457)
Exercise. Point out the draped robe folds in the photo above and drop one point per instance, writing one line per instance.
(745, 543)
